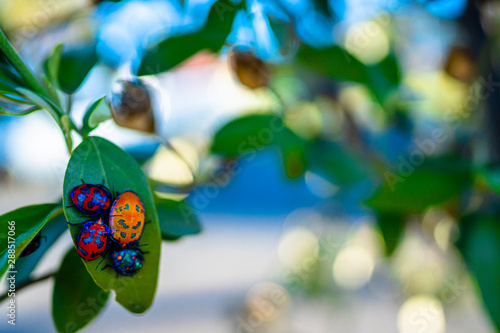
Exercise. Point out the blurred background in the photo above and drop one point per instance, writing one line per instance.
(285, 247)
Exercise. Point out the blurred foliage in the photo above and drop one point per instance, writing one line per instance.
(432, 183)
(72, 288)
(480, 245)
(177, 219)
(354, 124)
(174, 50)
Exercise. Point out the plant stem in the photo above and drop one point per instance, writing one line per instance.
(28, 283)
(169, 145)
(19, 65)
(280, 100)
(69, 104)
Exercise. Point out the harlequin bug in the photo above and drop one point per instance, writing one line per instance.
(127, 261)
(90, 199)
(126, 220)
(92, 240)
(33, 245)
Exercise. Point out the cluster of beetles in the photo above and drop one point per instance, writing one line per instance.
(114, 227)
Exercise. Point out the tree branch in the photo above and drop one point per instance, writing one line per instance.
(28, 283)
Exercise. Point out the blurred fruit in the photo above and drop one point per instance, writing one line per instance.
(460, 64)
(132, 106)
(250, 70)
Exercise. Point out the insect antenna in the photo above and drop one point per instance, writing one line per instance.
(73, 224)
(100, 262)
(107, 267)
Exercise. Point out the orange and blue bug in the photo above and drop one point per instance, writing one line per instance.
(92, 240)
(127, 261)
(33, 245)
(126, 220)
(90, 199)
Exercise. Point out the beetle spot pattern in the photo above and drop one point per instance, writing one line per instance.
(91, 199)
(127, 218)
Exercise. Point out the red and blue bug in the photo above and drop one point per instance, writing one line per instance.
(33, 245)
(127, 261)
(90, 199)
(92, 240)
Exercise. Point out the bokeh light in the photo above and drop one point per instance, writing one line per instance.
(298, 248)
(367, 41)
(421, 314)
(353, 267)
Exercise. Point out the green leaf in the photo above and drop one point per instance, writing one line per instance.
(337, 63)
(12, 102)
(385, 76)
(480, 246)
(95, 160)
(293, 153)
(391, 226)
(389, 68)
(15, 98)
(76, 299)
(285, 36)
(51, 232)
(96, 113)
(74, 65)
(414, 189)
(9, 79)
(28, 222)
(174, 50)
(336, 163)
(10, 107)
(177, 219)
(52, 64)
(322, 6)
(42, 102)
(334, 62)
(246, 134)
(253, 132)
(492, 177)
(294, 161)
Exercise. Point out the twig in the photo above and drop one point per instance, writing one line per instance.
(69, 104)
(28, 283)
(169, 145)
(280, 100)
